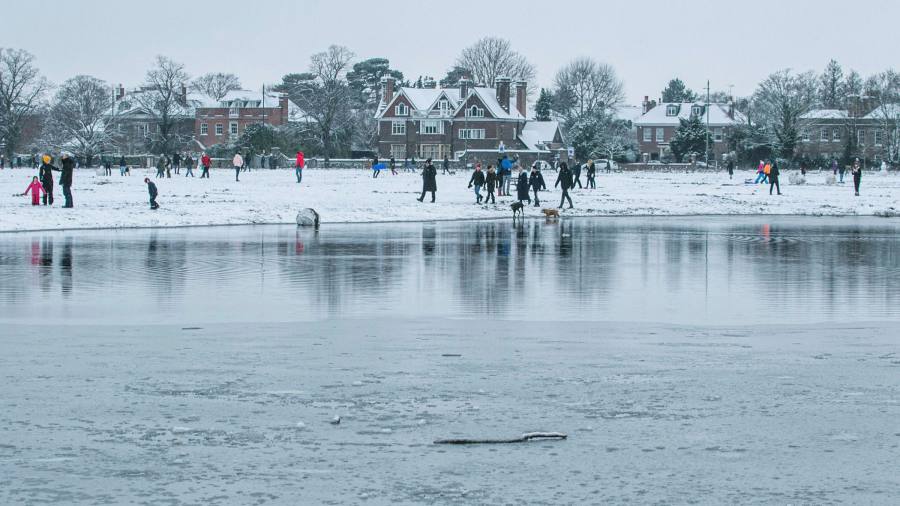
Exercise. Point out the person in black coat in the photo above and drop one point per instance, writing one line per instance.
(153, 193)
(536, 181)
(189, 165)
(564, 180)
(429, 180)
(522, 187)
(176, 161)
(591, 174)
(490, 183)
(477, 180)
(856, 170)
(65, 179)
(773, 178)
(46, 176)
(446, 168)
(576, 174)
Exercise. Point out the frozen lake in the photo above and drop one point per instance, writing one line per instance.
(690, 360)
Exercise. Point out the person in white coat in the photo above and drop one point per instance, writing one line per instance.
(237, 162)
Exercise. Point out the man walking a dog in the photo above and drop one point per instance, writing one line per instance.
(564, 180)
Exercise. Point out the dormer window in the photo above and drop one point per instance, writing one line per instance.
(671, 110)
(475, 112)
(696, 110)
(401, 110)
(444, 106)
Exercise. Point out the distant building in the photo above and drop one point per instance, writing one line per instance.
(223, 121)
(467, 122)
(656, 126)
(863, 130)
(138, 132)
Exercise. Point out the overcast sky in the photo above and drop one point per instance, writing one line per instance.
(647, 41)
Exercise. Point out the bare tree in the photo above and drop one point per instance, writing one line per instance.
(586, 88)
(22, 89)
(82, 116)
(780, 102)
(885, 89)
(216, 84)
(323, 94)
(163, 99)
(493, 57)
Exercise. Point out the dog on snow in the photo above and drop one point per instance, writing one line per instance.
(550, 213)
(517, 209)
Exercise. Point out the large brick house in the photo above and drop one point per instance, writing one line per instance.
(868, 131)
(656, 126)
(466, 122)
(222, 121)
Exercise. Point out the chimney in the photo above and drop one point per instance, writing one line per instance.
(502, 84)
(731, 108)
(283, 105)
(645, 105)
(182, 98)
(429, 83)
(387, 83)
(464, 86)
(522, 98)
(120, 92)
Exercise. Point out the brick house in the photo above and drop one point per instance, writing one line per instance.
(223, 121)
(870, 132)
(137, 131)
(467, 122)
(656, 126)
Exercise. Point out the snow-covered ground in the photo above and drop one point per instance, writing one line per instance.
(354, 196)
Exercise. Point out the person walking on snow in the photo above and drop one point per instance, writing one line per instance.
(393, 164)
(151, 188)
(188, 166)
(122, 166)
(536, 181)
(760, 173)
(237, 162)
(857, 176)
(491, 182)
(45, 174)
(564, 180)
(477, 180)
(576, 175)
(773, 177)
(446, 168)
(205, 162)
(591, 174)
(429, 180)
(522, 193)
(35, 188)
(841, 170)
(161, 166)
(65, 179)
(375, 168)
(299, 163)
(730, 168)
(176, 161)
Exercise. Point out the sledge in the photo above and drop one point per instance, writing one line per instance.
(379, 166)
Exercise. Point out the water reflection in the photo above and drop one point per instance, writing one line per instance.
(721, 270)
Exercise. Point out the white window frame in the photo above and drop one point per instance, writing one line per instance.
(474, 112)
(861, 137)
(204, 128)
(660, 134)
(671, 110)
(878, 137)
(431, 127)
(233, 128)
(398, 128)
(835, 135)
(401, 109)
(804, 135)
(718, 135)
(220, 129)
(444, 107)
(648, 134)
(823, 136)
(471, 133)
(398, 151)
(696, 110)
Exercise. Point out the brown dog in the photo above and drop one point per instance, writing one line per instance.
(550, 213)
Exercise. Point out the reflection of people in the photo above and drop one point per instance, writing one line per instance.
(65, 264)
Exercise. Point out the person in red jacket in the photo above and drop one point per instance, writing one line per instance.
(298, 167)
(205, 162)
(36, 189)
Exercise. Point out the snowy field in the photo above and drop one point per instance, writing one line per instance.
(354, 196)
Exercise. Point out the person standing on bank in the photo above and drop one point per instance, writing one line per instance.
(65, 179)
(393, 164)
(45, 175)
(205, 162)
(564, 180)
(536, 181)
(730, 168)
(446, 168)
(176, 161)
(298, 166)
(591, 174)
(522, 187)
(429, 180)
(773, 177)
(151, 188)
(857, 176)
(237, 162)
(161, 166)
(188, 165)
(491, 181)
(375, 168)
(122, 166)
(576, 175)
(477, 180)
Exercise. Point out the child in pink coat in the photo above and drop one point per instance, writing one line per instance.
(35, 188)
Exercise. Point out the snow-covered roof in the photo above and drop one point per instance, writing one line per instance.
(488, 96)
(628, 112)
(536, 133)
(424, 99)
(826, 114)
(885, 111)
(659, 115)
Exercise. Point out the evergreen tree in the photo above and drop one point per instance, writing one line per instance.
(543, 106)
(831, 83)
(451, 80)
(690, 137)
(676, 91)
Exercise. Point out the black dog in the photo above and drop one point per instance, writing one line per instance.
(517, 209)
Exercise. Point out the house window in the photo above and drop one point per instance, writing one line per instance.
(804, 135)
(398, 128)
(877, 134)
(648, 134)
(233, 128)
(434, 151)
(824, 136)
(861, 137)
(220, 129)
(671, 110)
(432, 127)
(475, 112)
(444, 106)
(471, 133)
(835, 135)
(718, 135)
(696, 110)
(398, 151)
(401, 110)
(660, 135)
(204, 128)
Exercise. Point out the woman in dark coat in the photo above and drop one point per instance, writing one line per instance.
(773, 178)
(429, 180)
(490, 182)
(522, 187)
(564, 180)
(46, 177)
(536, 181)
(591, 174)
